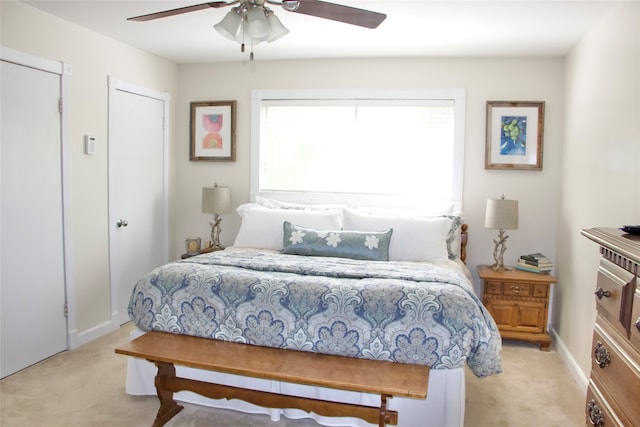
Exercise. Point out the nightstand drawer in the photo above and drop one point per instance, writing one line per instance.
(493, 288)
(517, 289)
(540, 291)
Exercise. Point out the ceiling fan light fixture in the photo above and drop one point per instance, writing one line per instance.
(277, 29)
(231, 25)
(257, 24)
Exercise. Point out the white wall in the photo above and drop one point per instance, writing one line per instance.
(519, 79)
(93, 58)
(601, 170)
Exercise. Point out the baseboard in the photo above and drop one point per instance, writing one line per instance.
(578, 376)
(76, 339)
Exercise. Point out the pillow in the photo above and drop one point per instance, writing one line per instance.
(454, 236)
(364, 245)
(414, 238)
(427, 209)
(261, 228)
(276, 204)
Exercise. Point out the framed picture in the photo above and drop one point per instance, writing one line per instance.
(514, 135)
(213, 131)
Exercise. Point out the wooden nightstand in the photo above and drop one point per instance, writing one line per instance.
(519, 303)
(202, 251)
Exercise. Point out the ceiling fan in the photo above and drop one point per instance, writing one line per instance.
(252, 21)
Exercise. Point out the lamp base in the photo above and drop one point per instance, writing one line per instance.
(498, 251)
(215, 232)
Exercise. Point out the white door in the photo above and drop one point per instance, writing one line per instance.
(32, 284)
(137, 188)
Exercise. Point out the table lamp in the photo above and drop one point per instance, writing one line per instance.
(501, 214)
(216, 200)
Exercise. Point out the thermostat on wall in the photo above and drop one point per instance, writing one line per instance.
(89, 144)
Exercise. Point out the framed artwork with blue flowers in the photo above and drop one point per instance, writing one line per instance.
(515, 131)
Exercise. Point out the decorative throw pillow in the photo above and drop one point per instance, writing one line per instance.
(363, 245)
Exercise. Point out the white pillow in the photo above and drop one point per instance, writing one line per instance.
(413, 239)
(430, 210)
(277, 204)
(262, 228)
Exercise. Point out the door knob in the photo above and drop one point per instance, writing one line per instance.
(122, 223)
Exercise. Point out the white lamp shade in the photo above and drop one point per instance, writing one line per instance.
(230, 26)
(245, 37)
(501, 214)
(216, 200)
(257, 24)
(277, 29)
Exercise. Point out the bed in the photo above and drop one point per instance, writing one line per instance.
(365, 283)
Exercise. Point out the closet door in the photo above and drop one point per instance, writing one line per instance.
(32, 284)
(137, 188)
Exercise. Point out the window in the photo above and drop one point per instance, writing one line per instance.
(358, 147)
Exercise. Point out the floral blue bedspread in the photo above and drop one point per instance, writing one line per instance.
(400, 312)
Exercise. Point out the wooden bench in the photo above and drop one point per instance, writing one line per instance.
(370, 376)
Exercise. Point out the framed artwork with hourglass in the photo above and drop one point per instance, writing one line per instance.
(213, 131)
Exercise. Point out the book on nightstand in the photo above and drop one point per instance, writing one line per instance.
(535, 263)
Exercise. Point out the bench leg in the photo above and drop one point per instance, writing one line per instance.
(384, 418)
(168, 407)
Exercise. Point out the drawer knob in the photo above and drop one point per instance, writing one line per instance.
(637, 324)
(516, 289)
(595, 414)
(602, 293)
(601, 354)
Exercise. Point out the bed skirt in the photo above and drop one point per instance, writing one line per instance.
(444, 406)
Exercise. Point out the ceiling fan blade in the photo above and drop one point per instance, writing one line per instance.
(178, 11)
(341, 13)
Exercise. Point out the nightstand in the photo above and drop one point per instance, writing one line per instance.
(202, 251)
(519, 303)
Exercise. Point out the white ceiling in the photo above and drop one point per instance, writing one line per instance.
(412, 28)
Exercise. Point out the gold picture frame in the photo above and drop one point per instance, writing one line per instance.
(213, 131)
(514, 135)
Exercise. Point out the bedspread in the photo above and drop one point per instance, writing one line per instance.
(401, 312)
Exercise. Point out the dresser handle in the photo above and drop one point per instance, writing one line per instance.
(516, 289)
(602, 293)
(601, 354)
(595, 414)
(637, 324)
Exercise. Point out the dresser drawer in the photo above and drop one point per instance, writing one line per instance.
(635, 322)
(613, 283)
(596, 411)
(612, 366)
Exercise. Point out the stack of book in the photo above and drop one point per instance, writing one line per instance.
(535, 263)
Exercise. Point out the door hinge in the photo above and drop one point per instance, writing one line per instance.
(66, 309)
(60, 106)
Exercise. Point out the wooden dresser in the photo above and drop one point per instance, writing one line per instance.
(613, 396)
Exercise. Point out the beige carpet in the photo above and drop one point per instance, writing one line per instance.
(85, 387)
